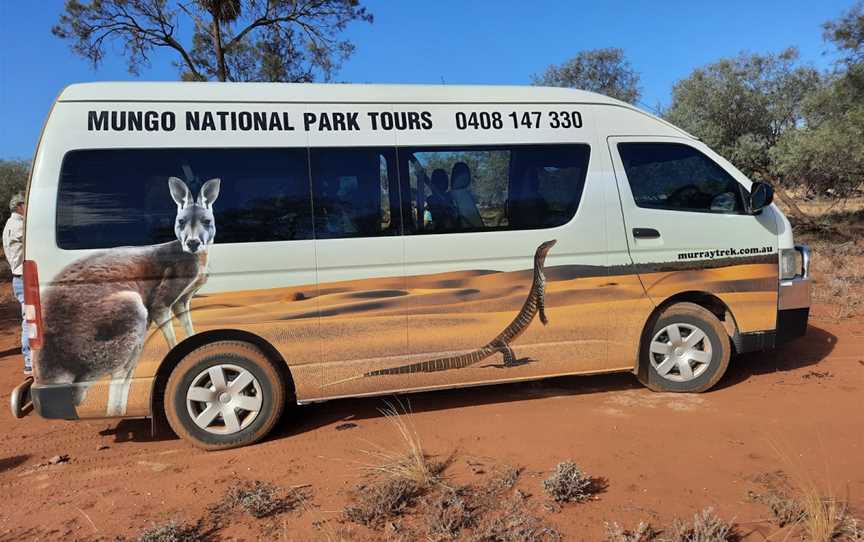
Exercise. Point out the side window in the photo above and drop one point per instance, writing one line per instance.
(111, 198)
(352, 195)
(493, 188)
(546, 185)
(678, 177)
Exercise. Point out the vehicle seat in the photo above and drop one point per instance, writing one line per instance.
(466, 206)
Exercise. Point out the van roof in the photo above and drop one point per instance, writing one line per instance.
(337, 93)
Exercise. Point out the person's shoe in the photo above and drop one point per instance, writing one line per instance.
(28, 371)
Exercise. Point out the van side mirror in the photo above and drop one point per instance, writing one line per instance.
(761, 196)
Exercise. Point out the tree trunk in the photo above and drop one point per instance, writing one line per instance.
(222, 73)
(790, 204)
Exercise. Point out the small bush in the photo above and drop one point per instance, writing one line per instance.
(259, 499)
(784, 509)
(171, 531)
(449, 513)
(569, 484)
(706, 527)
(514, 524)
(382, 500)
(642, 533)
(502, 479)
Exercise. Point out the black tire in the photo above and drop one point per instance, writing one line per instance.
(226, 358)
(684, 317)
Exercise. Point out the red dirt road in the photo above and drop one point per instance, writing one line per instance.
(663, 455)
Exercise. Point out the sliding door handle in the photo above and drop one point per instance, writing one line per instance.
(645, 233)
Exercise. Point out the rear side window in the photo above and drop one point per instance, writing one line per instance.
(110, 198)
(678, 177)
(353, 196)
(468, 189)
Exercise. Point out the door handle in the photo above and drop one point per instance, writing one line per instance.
(645, 233)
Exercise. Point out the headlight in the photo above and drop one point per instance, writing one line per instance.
(790, 265)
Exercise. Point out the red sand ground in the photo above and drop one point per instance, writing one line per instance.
(664, 455)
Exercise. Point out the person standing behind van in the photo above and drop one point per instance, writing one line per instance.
(13, 247)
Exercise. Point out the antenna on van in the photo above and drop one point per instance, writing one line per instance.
(443, 82)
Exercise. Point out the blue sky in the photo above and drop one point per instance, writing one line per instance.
(483, 42)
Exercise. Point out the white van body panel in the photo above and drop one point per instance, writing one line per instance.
(338, 310)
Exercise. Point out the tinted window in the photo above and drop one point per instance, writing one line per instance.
(492, 188)
(678, 177)
(110, 198)
(352, 192)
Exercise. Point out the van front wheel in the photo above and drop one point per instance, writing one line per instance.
(686, 350)
(223, 395)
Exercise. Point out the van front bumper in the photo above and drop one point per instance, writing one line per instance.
(793, 311)
(793, 301)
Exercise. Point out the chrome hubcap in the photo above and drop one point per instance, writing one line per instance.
(680, 352)
(224, 399)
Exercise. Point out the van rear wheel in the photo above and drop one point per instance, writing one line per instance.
(686, 350)
(224, 395)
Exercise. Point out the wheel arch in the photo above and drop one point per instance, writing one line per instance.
(176, 354)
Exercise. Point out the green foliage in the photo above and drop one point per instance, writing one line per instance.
(232, 40)
(827, 152)
(742, 106)
(606, 71)
(782, 122)
(847, 34)
(13, 179)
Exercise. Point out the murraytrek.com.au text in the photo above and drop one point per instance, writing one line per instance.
(724, 252)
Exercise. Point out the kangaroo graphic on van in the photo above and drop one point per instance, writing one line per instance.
(99, 308)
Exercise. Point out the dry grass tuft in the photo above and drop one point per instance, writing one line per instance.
(570, 484)
(409, 461)
(259, 499)
(400, 476)
(706, 527)
(643, 532)
(828, 520)
(822, 518)
(171, 531)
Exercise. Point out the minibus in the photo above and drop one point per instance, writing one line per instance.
(211, 251)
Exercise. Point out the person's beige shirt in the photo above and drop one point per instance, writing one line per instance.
(13, 243)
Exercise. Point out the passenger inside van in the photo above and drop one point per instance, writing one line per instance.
(439, 204)
(530, 207)
(463, 197)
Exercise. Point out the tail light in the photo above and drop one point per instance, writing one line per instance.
(32, 304)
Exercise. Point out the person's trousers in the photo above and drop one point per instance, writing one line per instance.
(18, 289)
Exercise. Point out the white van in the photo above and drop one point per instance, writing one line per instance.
(212, 251)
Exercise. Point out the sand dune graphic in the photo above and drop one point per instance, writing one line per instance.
(341, 329)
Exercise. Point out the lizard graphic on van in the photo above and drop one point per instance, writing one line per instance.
(534, 304)
(99, 308)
